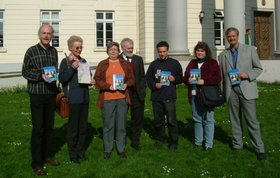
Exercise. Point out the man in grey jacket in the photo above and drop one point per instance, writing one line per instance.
(242, 61)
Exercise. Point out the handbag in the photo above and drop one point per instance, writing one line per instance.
(62, 105)
(211, 96)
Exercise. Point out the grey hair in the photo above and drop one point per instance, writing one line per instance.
(230, 29)
(126, 40)
(43, 26)
(73, 39)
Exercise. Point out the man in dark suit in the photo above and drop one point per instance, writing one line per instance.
(137, 93)
(242, 97)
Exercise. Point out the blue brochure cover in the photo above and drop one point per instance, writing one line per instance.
(51, 73)
(118, 82)
(164, 78)
(234, 77)
(195, 74)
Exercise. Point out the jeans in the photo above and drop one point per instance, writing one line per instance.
(166, 109)
(203, 123)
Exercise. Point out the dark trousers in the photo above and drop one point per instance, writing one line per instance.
(42, 114)
(166, 109)
(137, 117)
(76, 130)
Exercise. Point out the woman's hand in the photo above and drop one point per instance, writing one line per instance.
(200, 82)
(75, 63)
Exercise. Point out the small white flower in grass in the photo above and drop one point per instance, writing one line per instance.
(25, 113)
(204, 173)
(14, 143)
(167, 170)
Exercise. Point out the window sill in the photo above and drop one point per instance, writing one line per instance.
(100, 49)
(3, 50)
(59, 49)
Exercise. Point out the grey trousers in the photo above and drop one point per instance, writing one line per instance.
(114, 113)
(238, 105)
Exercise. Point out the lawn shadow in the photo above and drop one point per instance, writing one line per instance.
(221, 135)
(91, 133)
(60, 136)
(186, 129)
(148, 127)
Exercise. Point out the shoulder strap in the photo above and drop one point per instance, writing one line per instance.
(68, 64)
(67, 59)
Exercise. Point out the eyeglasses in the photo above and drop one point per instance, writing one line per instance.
(79, 47)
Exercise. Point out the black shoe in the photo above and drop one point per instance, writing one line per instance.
(107, 155)
(135, 147)
(261, 156)
(52, 162)
(39, 171)
(157, 144)
(207, 148)
(173, 147)
(82, 158)
(122, 155)
(195, 146)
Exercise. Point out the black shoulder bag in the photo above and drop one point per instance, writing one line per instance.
(211, 96)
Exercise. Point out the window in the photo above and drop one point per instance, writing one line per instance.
(52, 18)
(219, 33)
(104, 28)
(219, 28)
(1, 28)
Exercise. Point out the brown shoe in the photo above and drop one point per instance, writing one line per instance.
(39, 171)
(107, 155)
(122, 154)
(52, 162)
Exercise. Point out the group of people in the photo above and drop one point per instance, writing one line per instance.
(115, 103)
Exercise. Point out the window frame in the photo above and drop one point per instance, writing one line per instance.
(221, 36)
(104, 21)
(2, 21)
(54, 22)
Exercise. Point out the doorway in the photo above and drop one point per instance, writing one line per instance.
(263, 34)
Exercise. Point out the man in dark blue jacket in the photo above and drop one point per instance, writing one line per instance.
(162, 76)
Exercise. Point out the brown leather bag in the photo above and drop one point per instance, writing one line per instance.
(62, 105)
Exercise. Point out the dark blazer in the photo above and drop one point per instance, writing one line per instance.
(78, 93)
(210, 73)
(139, 75)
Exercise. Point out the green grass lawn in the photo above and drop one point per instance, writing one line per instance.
(150, 162)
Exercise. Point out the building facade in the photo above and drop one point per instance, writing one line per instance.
(181, 22)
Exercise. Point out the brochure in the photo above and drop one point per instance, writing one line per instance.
(51, 73)
(164, 78)
(84, 73)
(118, 82)
(195, 74)
(234, 77)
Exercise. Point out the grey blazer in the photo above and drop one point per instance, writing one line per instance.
(247, 61)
